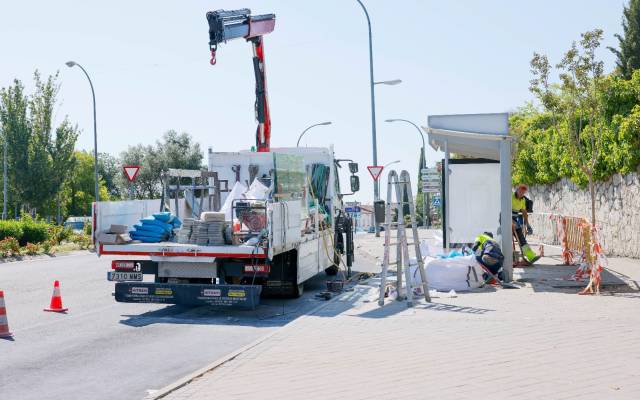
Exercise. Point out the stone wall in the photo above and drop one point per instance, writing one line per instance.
(617, 211)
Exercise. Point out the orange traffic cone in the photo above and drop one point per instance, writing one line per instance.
(4, 323)
(56, 300)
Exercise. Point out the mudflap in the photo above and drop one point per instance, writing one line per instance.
(243, 297)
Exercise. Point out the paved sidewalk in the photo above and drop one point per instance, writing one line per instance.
(490, 343)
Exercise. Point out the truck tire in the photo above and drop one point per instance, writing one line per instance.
(332, 270)
(298, 290)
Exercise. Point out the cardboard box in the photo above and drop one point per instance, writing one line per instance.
(118, 229)
(113, 238)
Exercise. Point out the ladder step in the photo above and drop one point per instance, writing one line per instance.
(396, 243)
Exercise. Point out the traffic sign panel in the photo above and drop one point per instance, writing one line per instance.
(431, 184)
(375, 171)
(131, 171)
(431, 178)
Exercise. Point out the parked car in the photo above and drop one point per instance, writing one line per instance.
(77, 224)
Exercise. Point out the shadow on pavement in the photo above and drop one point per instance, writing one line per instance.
(561, 278)
(272, 312)
(396, 307)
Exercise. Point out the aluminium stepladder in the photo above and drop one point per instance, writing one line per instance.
(402, 188)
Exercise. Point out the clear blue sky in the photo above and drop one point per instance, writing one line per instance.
(149, 61)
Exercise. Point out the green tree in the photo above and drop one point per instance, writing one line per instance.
(110, 170)
(577, 117)
(174, 150)
(17, 135)
(62, 155)
(79, 191)
(39, 158)
(628, 53)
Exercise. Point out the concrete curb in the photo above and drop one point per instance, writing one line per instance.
(44, 257)
(172, 387)
(185, 380)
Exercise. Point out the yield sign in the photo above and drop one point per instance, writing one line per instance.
(375, 171)
(131, 171)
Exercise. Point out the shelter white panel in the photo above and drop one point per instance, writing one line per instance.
(474, 198)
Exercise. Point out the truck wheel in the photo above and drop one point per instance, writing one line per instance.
(298, 290)
(332, 270)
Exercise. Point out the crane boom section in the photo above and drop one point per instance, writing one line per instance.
(225, 26)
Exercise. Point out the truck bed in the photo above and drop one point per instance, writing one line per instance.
(172, 249)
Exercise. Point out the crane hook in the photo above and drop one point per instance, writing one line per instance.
(213, 56)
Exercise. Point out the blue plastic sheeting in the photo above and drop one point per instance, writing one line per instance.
(149, 228)
(454, 254)
(156, 228)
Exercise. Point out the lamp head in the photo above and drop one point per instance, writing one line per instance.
(71, 64)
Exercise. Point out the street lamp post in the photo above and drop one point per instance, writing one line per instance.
(71, 64)
(392, 82)
(424, 162)
(305, 131)
(376, 192)
(391, 163)
(4, 177)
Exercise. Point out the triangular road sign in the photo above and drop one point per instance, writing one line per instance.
(131, 171)
(375, 171)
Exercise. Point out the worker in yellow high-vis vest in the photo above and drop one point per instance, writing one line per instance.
(520, 220)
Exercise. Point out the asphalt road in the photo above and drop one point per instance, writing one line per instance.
(107, 350)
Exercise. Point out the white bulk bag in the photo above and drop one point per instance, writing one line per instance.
(237, 193)
(257, 191)
(443, 274)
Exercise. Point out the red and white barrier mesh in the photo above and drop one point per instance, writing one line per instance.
(579, 243)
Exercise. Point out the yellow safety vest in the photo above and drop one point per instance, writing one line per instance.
(518, 204)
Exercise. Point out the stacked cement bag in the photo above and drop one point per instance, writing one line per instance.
(204, 231)
(156, 228)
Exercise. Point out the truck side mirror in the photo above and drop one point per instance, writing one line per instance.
(353, 167)
(355, 183)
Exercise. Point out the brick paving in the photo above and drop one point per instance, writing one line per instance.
(490, 343)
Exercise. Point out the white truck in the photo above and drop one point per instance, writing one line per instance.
(298, 231)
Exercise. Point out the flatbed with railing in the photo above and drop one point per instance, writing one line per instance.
(171, 249)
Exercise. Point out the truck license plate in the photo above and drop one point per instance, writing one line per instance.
(124, 276)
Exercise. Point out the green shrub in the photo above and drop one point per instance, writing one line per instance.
(9, 246)
(59, 234)
(87, 228)
(11, 229)
(48, 246)
(31, 249)
(82, 240)
(33, 231)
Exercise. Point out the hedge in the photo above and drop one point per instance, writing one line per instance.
(26, 230)
(11, 228)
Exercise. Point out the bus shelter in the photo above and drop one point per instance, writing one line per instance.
(484, 136)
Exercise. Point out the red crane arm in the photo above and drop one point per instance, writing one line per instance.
(229, 25)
